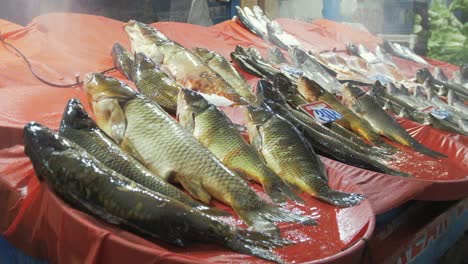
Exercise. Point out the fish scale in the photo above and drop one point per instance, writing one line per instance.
(288, 154)
(216, 132)
(87, 184)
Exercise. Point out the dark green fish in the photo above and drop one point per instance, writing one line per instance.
(123, 60)
(86, 183)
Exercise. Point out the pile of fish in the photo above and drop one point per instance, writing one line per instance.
(122, 166)
(127, 165)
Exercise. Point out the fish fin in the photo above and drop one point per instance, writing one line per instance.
(341, 199)
(278, 190)
(262, 218)
(130, 149)
(257, 244)
(194, 188)
(355, 105)
(118, 123)
(426, 151)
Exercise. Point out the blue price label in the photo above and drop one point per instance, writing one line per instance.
(321, 111)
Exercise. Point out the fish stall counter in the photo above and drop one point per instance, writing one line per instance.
(40, 223)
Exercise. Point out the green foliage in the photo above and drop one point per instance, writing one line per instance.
(448, 40)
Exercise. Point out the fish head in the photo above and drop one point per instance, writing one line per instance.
(257, 116)
(422, 75)
(189, 105)
(351, 95)
(266, 91)
(106, 96)
(404, 90)
(141, 64)
(241, 51)
(298, 55)
(76, 117)
(117, 50)
(147, 39)
(309, 89)
(392, 89)
(377, 88)
(40, 143)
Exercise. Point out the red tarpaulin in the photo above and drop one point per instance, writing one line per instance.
(60, 45)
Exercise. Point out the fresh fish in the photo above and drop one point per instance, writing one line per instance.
(217, 133)
(384, 57)
(440, 75)
(454, 101)
(259, 25)
(153, 137)
(424, 76)
(402, 52)
(275, 56)
(388, 106)
(186, 68)
(242, 62)
(316, 72)
(289, 155)
(259, 15)
(83, 181)
(222, 67)
(323, 140)
(311, 91)
(280, 38)
(154, 83)
(366, 54)
(413, 55)
(247, 23)
(77, 126)
(255, 54)
(123, 60)
(352, 49)
(363, 105)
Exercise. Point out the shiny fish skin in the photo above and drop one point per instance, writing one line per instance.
(123, 60)
(186, 68)
(86, 183)
(154, 83)
(367, 108)
(77, 126)
(222, 67)
(287, 153)
(166, 148)
(311, 91)
(217, 133)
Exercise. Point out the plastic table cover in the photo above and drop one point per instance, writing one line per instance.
(60, 45)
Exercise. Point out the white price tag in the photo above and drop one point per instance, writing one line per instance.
(321, 111)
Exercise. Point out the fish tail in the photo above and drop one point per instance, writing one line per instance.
(341, 199)
(428, 152)
(257, 244)
(263, 218)
(278, 191)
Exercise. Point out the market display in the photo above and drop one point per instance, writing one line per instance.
(166, 161)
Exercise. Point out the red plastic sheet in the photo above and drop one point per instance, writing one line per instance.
(60, 45)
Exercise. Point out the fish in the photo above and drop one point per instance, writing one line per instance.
(242, 62)
(87, 184)
(324, 141)
(440, 75)
(402, 52)
(275, 56)
(123, 60)
(364, 106)
(260, 15)
(314, 70)
(367, 55)
(76, 125)
(288, 154)
(186, 68)
(217, 133)
(222, 67)
(280, 38)
(259, 25)
(154, 83)
(454, 101)
(384, 57)
(312, 91)
(154, 138)
(246, 22)
(424, 76)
